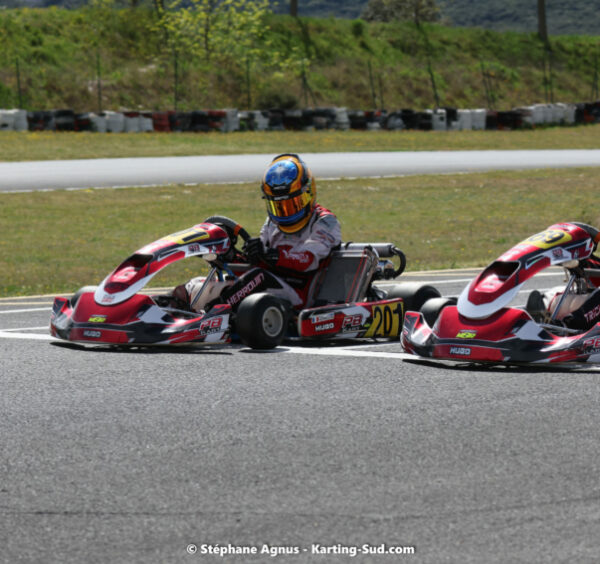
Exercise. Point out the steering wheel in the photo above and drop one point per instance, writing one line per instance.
(232, 228)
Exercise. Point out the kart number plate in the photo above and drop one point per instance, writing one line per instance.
(387, 319)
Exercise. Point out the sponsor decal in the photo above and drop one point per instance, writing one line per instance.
(466, 334)
(92, 334)
(592, 314)
(463, 351)
(557, 253)
(325, 327)
(107, 299)
(352, 323)
(302, 257)
(247, 289)
(209, 326)
(322, 317)
(194, 248)
(591, 345)
(322, 235)
(97, 318)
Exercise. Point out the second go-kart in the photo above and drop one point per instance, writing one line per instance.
(482, 327)
(342, 301)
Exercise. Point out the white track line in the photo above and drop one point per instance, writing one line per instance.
(26, 310)
(43, 327)
(33, 336)
(331, 351)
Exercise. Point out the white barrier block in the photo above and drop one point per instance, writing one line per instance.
(342, 121)
(98, 123)
(7, 120)
(465, 120)
(478, 117)
(115, 122)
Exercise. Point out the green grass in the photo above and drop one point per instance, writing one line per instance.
(49, 146)
(59, 241)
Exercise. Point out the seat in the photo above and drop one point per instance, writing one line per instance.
(344, 278)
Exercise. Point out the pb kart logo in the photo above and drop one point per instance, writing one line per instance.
(209, 326)
(352, 323)
(591, 345)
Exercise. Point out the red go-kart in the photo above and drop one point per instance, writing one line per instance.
(483, 327)
(342, 302)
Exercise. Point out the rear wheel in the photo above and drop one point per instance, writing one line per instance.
(261, 321)
(432, 308)
(83, 290)
(414, 294)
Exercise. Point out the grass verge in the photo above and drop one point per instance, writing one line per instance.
(58, 241)
(31, 146)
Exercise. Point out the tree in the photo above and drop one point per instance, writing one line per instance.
(418, 11)
(542, 27)
(294, 8)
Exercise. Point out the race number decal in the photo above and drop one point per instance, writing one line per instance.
(188, 236)
(548, 238)
(386, 321)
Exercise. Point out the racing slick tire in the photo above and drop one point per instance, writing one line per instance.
(414, 294)
(432, 308)
(261, 321)
(82, 290)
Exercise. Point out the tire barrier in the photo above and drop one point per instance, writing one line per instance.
(307, 119)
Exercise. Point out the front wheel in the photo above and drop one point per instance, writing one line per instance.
(261, 321)
(432, 308)
(83, 290)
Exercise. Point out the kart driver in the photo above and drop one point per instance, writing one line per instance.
(297, 234)
(582, 311)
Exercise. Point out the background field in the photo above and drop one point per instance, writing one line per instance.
(20, 146)
(59, 241)
(55, 58)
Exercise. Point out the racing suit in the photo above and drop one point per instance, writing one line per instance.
(297, 257)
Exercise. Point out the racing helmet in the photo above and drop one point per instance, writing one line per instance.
(290, 191)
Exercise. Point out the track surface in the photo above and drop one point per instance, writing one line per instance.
(129, 457)
(26, 176)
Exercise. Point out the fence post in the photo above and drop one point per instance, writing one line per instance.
(20, 94)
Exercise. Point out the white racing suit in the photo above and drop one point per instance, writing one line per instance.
(289, 278)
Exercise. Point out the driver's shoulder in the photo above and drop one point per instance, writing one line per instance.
(325, 217)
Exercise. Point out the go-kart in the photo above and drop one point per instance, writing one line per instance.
(342, 301)
(482, 327)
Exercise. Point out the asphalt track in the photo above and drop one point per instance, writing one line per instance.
(128, 457)
(53, 175)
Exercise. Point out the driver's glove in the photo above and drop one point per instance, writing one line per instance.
(253, 248)
(255, 251)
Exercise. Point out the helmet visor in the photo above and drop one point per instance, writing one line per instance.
(289, 207)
